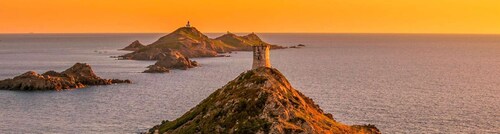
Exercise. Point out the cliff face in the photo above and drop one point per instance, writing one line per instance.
(78, 76)
(258, 101)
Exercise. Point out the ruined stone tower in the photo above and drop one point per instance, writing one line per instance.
(261, 56)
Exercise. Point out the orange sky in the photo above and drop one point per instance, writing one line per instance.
(304, 16)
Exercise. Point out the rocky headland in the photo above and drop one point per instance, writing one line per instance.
(258, 101)
(78, 76)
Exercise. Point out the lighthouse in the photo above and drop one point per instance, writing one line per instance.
(261, 56)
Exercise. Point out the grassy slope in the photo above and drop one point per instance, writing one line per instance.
(242, 106)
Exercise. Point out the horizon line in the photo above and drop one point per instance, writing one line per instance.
(253, 32)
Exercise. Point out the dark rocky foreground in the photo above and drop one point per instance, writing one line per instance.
(258, 101)
(78, 76)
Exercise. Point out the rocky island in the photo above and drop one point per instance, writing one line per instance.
(260, 101)
(134, 46)
(188, 42)
(192, 43)
(78, 76)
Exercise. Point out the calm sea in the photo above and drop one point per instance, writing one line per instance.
(402, 83)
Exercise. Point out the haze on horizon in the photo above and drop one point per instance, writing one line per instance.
(278, 16)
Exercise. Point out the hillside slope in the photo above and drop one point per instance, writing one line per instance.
(258, 101)
(134, 46)
(244, 43)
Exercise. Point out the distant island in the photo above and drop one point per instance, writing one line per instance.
(259, 101)
(134, 46)
(187, 42)
(78, 76)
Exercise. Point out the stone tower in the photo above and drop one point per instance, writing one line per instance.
(261, 56)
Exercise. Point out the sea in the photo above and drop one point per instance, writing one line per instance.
(401, 83)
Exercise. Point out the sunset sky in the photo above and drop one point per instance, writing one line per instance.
(274, 16)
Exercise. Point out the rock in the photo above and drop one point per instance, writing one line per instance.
(78, 76)
(120, 81)
(298, 46)
(148, 54)
(194, 63)
(258, 101)
(134, 46)
(171, 59)
(157, 69)
(174, 59)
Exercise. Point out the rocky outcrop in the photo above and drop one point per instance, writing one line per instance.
(134, 46)
(298, 46)
(157, 69)
(258, 101)
(192, 43)
(78, 76)
(149, 54)
(171, 59)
